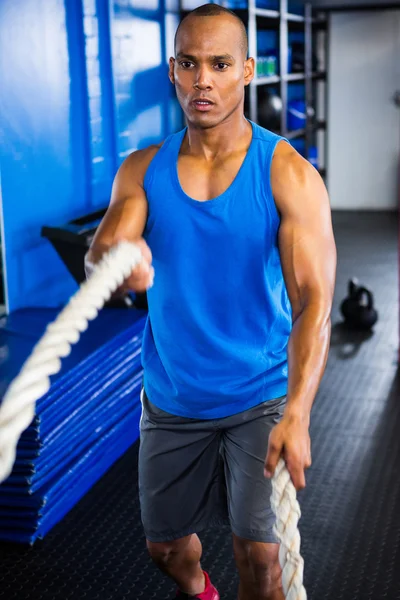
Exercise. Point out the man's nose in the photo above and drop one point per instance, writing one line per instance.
(203, 79)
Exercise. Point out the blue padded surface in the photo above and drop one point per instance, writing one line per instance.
(73, 444)
(101, 381)
(84, 368)
(89, 469)
(88, 418)
(93, 466)
(21, 330)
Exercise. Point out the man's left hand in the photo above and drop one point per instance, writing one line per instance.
(291, 440)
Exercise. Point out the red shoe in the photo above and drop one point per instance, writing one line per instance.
(210, 593)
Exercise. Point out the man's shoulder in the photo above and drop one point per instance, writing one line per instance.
(292, 175)
(136, 164)
(144, 154)
(287, 160)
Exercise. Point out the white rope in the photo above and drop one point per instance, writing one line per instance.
(18, 407)
(287, 513)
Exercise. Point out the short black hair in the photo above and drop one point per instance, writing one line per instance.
(213, 10)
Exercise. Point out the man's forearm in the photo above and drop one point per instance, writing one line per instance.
(307, 356)
(94, 255)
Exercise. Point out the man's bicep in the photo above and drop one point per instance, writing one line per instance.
(126, 215)
(306, 242)
(308, 264)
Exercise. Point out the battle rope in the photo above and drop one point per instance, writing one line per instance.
(287, 514)
(18, 407)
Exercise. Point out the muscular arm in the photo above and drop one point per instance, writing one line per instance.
(126, 216)
(308, 257)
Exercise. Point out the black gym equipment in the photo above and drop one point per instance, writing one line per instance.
(358, 308)
(269, 109)
(72, 241)
(298, 58)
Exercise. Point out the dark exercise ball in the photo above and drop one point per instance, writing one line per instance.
(269, 110)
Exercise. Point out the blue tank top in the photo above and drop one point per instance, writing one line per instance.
(216, 336)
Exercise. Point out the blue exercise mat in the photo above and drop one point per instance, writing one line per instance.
(88, 430)
(69, 490)
(21, 330)
(86, 421)
(77, 443)
(104, 355)
(90, 391)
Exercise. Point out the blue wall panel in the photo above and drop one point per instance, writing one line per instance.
(100, 91)
(84, 83)
(144, 97)
(42, 179)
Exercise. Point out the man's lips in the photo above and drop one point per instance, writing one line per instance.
(202, 104)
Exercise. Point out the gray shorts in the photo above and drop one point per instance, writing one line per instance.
(197, 474)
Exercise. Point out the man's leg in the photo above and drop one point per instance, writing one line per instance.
(244, 447)
(259, 570)
(180, 483)
(180, 560)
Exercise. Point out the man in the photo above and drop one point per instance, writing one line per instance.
(238, 228)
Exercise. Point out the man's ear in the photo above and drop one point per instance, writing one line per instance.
(248, 71)
(171, 70)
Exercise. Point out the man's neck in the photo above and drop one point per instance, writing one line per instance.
(233, 135)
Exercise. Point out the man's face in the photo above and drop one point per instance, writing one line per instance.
(210, 69)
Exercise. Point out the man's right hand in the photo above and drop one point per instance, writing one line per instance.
(141, 278)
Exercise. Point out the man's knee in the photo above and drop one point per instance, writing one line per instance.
(258, 563)
(262, 556)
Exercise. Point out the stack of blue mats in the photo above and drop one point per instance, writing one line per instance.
(86, 421)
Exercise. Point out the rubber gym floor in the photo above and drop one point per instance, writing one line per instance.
(350, 523)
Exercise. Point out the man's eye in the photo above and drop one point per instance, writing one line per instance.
(222, 66)
(186, 64)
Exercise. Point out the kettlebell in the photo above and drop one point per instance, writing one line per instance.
(358, 308)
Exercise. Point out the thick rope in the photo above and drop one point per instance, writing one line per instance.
(287, 513)
(18, 407)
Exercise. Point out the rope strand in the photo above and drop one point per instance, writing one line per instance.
(18, 407)
(287, 514)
